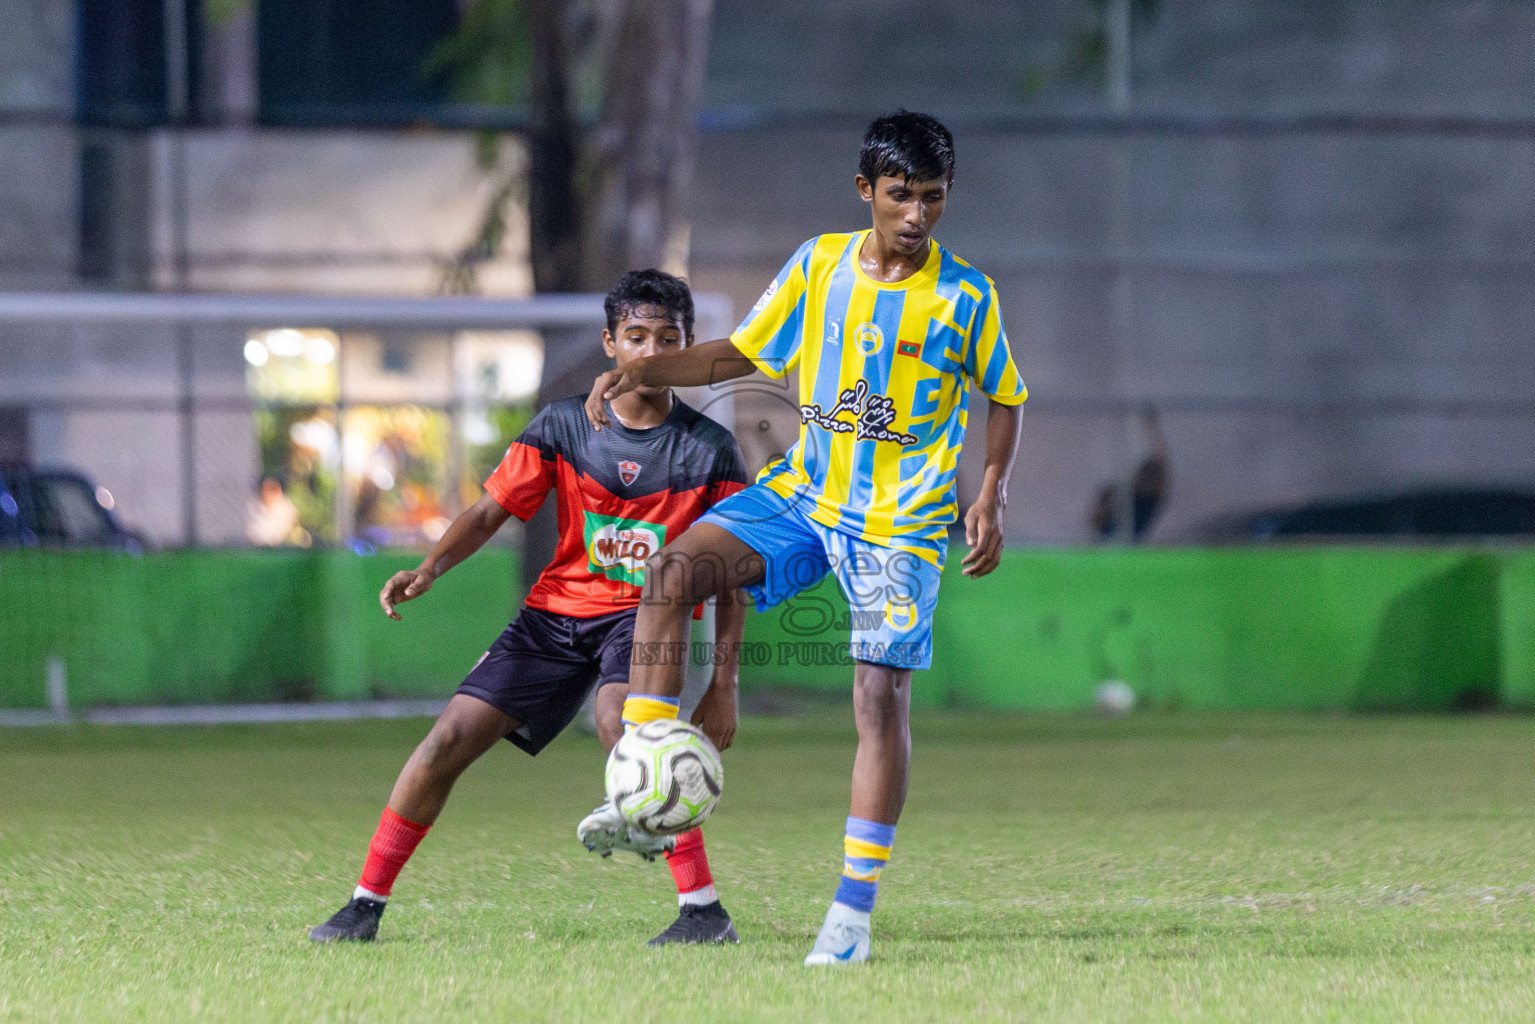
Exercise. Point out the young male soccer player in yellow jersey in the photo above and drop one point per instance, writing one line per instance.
(620, 494)
(885, 330)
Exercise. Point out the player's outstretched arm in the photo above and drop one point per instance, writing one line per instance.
(469, 531)
(983, 522)
(712, 362)
(717, 708)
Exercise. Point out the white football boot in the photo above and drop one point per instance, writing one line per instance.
(605, 830)
(844, 937)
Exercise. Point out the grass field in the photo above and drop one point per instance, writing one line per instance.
(1177, 868)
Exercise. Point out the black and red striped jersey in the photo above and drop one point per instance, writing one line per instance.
(621, 494)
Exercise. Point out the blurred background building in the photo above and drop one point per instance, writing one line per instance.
(1302, 234)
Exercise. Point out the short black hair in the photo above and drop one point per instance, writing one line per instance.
(650, 288)
(907, 145)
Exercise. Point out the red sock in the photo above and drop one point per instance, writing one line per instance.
(393, 843)
(689, 864)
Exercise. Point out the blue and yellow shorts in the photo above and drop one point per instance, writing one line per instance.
(890, 592)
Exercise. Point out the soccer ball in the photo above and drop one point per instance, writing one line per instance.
(1113, 698)
(664, 777)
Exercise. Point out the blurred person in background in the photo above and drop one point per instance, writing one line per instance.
(1147, 489)
(271, 518)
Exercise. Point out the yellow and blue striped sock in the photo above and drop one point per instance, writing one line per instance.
(866, 847)
(640, 708)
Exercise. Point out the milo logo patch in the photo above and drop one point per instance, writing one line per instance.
(619, 548)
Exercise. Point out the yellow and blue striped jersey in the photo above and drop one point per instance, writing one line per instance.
(884, 371)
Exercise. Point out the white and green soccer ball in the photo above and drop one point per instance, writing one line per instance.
(664, 777)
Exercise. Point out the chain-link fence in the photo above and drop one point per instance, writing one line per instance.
(241, 421)
(186, 483)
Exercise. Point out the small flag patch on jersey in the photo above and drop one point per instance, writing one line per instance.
(908, 348)
(628, 471)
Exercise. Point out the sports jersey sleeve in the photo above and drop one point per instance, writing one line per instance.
(774, 331)
(989, 358)
(527, 471)
(728, 474)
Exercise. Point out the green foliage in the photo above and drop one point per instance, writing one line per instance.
(486, 61)
(510, 421)
(1195, 868)
(461, 275)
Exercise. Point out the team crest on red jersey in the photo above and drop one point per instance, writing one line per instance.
(628, 471)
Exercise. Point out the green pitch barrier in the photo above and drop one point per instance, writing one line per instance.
(1326, 628)
(223, 626)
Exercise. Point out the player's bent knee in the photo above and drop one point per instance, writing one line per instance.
(609, 705)
(881, 682)
(448, 748)
(437, 749)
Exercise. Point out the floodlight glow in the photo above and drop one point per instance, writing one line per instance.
(499, 366)
(285, 342)
(255, 353)
(319, 435)
(320, 349)
(522, 364)
(477, 428)
(355, 452)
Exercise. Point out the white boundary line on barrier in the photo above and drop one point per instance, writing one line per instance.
(713, 311)
(230, 714)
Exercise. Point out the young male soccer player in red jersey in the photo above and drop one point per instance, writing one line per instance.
(621, 493)
(886, 330)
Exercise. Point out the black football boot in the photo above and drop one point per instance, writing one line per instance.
(695, 924)
(355, 922)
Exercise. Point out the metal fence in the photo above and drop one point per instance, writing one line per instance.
(253, 420)
(265, 421)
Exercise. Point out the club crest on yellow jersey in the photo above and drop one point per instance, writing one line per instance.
(868, 338)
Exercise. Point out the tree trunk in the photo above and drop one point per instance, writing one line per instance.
(620, 205)
(555, 219)
(645, 149)
(554, 203)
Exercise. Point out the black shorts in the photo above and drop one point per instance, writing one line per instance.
(541, 667)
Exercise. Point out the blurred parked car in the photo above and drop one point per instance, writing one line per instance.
(58, 508)
(1410, 515)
